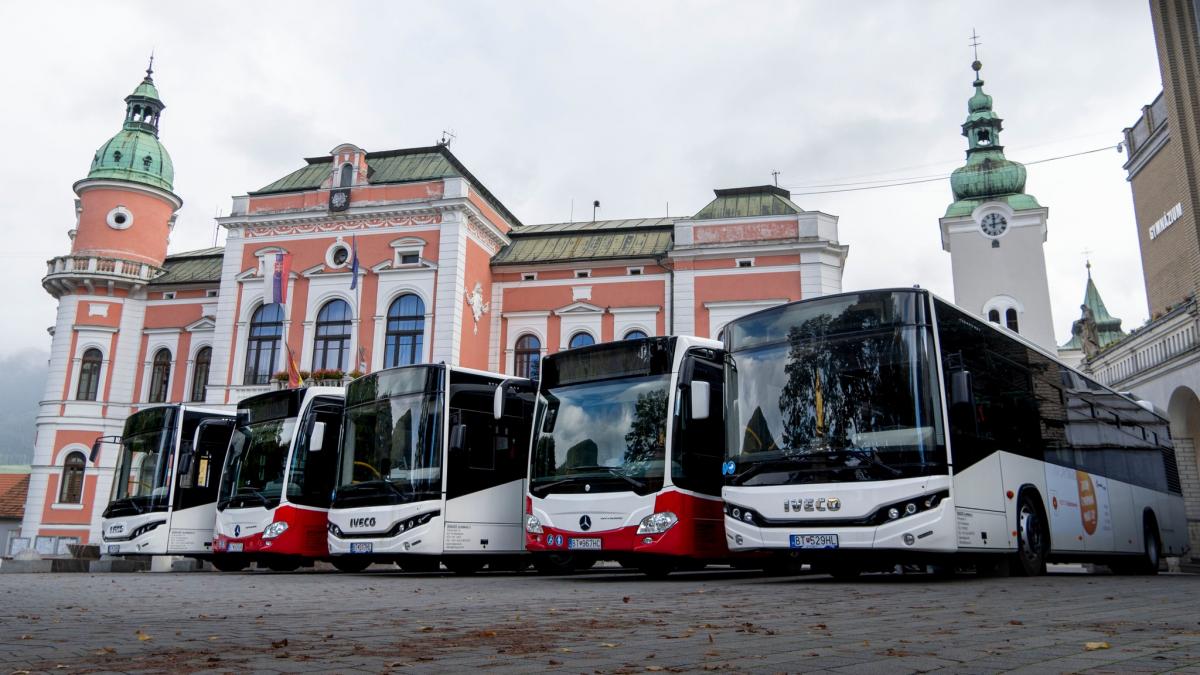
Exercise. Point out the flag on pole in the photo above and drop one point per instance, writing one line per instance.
(279, 279)
(353, 262)
(294, 379)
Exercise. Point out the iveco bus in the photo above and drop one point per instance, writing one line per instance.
(164, 492)
(278, 478)
(626, 458)
(431, 470)
(883, 427)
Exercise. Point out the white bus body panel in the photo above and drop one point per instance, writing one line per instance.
(423, 539)
(933, 530)
(243, 522)
(607, 510)
(153, 542)
(192, 530)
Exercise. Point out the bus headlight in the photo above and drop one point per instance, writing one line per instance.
(275, 529)
(532, 524)
(657, 523)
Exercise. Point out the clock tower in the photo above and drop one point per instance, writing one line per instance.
(995, 232)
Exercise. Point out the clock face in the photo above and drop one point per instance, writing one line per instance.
(993, 224)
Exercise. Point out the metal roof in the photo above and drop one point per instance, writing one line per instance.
(192, 267)
(587, 241)
(405, 165)
(748, 202)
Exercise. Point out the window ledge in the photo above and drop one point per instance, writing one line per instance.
(66, 507)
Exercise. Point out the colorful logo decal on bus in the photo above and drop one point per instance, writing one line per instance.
(1088, 510)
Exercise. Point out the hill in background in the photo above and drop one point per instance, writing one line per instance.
(25, 383)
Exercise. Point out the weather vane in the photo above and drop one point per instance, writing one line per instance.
(150, 68)
(975, 43)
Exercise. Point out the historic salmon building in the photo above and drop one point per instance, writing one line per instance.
(392, 257)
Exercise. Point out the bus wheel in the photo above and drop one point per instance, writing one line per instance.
(1147, 562)
(845, 572)
(422, 564)
(351, 565)
(554, 563)
(1031, 538)
(463, 564)
(283, 565)
(586, 564)
(229, 563)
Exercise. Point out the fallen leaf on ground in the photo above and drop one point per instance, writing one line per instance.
(276, 644)
(1093, 646)
(1015, 622)
(105, 650)
(625, 599)
(608, 644)
(142, 636)
(554, 663)
(654, 669)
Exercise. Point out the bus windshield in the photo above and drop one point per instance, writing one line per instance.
(391, 452)
(602, 436)
(254, 468)
(142, 480)
(837, 390)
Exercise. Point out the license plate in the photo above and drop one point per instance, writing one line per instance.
(235, 547)
(814, 541)
(583, 544)
(114, 548)
(362, 547)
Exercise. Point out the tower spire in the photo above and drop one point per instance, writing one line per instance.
(975, 45)
(150, 68)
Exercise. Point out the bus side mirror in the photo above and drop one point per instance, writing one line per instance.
(458, 437)
(95, 450)
(498, 401)
(185, 463)
(316, 439)
(961, 389)
(700, 399)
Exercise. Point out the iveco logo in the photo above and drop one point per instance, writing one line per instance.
(585, 523)
(812, 504)
(362, 522)
(237, 530)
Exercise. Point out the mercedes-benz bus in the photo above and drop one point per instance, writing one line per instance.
(431, 470)
(279, 474)
(889, 427)
(626, 459)
(164, 493)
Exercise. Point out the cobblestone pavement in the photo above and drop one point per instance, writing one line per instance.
(604, 621)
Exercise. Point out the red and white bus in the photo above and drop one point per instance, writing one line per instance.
(889, 427)
(279, 474)
(626, 457)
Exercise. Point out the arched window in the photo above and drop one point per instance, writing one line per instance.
(89, 375)
(405, 331)
(262, 347)
(70, 490)
(581, 339)
(333, 336)
(1010, 320)
(346, 179)
(994, 316)
(200, 373)
(160, 376)
(527, 356)
(635, 335)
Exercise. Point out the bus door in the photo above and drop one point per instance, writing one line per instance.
(202, 448)
(314, 463)
(699, 446)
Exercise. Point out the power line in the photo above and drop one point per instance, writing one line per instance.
(914, 180)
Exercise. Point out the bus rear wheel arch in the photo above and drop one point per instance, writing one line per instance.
(1033, 534)
(1146, 562)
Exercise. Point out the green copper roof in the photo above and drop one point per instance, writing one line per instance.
(988, 175)
(192, 267)
(747, 202)
(1108, 327)
(406, 165)
(135, 153)
(600, 240)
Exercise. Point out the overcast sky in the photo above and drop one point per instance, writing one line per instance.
(637, 104)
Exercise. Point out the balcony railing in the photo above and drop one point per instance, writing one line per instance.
(102, 267)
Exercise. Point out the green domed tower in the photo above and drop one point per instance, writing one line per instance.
(135, 153)
(995, 233)
(987, 175)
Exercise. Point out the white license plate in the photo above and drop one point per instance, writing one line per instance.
(362, 547)
(583, 544)
(814, 541)
(114, 548)
(235, 547)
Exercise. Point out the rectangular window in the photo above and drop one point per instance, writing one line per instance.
(529, 276)
(168, 295)
(634, 271)
(582, 274)
(745, 262)
(211, 293)
(409, 258)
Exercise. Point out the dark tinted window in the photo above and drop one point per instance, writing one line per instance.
(699, 447)
(313, 474)
(89, 375)
(485, 452)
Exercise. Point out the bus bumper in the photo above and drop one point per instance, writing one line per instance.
(930, 531)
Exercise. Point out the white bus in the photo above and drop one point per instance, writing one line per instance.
(889, 427)
(429, 473)
(164, 494)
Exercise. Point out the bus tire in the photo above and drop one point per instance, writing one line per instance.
(554, 563)
(1032, 539)
(1147, 562)
(658, 569)
(350, 565)
(420, 564)
(463, 565)
(225, 563)
(844, 572)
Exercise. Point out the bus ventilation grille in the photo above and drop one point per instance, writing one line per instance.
(1172, 468)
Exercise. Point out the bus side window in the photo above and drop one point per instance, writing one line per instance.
(700, 446)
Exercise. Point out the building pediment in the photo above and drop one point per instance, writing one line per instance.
(204, 323)
(579, 308)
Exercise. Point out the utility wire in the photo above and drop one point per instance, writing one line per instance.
(913, 180)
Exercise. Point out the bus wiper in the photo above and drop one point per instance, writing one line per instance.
(249, 492)
(615, 472)
(371, 484)
(871, 458)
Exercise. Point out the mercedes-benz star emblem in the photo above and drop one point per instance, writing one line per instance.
(585, 523)
(237, 530)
